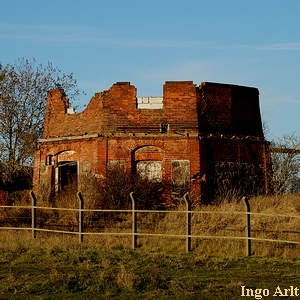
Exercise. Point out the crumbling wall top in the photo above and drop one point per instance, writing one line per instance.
(184, 108)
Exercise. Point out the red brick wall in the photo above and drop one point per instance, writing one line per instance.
(97, 152)
(211, 108)
(207, 125)
(229, 109)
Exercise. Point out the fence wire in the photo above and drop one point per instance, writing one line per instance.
(182, 224)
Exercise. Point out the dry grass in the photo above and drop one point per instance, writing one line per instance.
(223, 221)
(207, 221)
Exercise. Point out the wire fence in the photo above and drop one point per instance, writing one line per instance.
(184, 224)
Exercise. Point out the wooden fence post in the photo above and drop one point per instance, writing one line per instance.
(134, 224)
(247, 227)
(80, 217)
(33, 214)
(188, 222)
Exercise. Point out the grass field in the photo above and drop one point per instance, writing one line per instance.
(104, 267)
(59, 268)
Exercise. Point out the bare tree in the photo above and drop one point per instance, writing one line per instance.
(286, 164)
(23, 97)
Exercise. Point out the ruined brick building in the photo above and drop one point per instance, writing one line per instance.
(203, 138)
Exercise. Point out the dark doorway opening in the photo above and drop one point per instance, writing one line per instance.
(68, 171)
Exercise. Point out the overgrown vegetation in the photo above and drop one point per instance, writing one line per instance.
(213, 226)
(114, 192)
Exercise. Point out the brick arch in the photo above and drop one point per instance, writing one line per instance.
(56, 149)
(148, 152)
(67, 155)
(64, 150)
(159, 144)
(53, 158)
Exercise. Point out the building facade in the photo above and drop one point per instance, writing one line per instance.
(199, 138)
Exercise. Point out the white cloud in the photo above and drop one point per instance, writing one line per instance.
(76, 35)
(281, 47)
(268, 47)
(84, 36)
(271, 99)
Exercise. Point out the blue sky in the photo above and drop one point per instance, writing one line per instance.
(245, 42)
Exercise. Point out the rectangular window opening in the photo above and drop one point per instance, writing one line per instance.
(49, 160)
(164, 128)
(150, 170)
